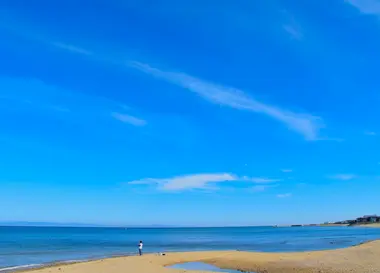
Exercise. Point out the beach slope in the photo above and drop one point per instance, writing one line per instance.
(364, 258)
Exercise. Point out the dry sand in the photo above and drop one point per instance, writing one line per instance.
(363, 258)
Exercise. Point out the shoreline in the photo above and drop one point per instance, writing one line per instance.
(361, 258)
(375, 225)
(34, 267)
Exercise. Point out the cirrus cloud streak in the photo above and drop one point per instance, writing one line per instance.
(198, 181)
(304, 124)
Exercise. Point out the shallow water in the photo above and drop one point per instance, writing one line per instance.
(202, 267)
(20, 246)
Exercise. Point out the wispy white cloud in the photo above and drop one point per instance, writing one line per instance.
(260, 180)
(71, 48)
(291, 26)
(284, 195)
(286, 170)
(128, 119)
(196, 181)
(304, 124)
(293, 31)
(370, 133)
(368, 7)
(261, 188)
(35, 103)
(343, 177)
(56, 100)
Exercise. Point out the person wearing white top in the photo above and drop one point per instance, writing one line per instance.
(140, 247)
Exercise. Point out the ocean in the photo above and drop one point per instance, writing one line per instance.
(22, 247)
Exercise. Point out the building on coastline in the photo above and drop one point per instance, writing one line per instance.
(368, 219)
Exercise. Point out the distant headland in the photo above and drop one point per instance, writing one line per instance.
(365, 221)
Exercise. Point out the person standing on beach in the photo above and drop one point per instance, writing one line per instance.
(140, 248)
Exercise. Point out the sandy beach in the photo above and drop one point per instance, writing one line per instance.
(375, 225)
(363, 258)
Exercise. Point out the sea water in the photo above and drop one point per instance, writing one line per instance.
(200, 266)
(34, 246)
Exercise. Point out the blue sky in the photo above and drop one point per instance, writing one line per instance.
(189, 112)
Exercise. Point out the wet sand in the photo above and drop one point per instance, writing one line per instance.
(364, 258)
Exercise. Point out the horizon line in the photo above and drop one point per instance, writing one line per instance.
(78, 225)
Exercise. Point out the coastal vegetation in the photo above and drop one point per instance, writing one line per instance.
(366, 220)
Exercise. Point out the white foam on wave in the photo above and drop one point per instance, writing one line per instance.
(12, 268)
(18, 267)
(15, 268)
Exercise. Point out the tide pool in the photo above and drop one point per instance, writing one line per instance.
(202, 267)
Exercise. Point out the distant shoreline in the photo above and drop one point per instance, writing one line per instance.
(373, 225)
(332, 225)
(370, 225)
